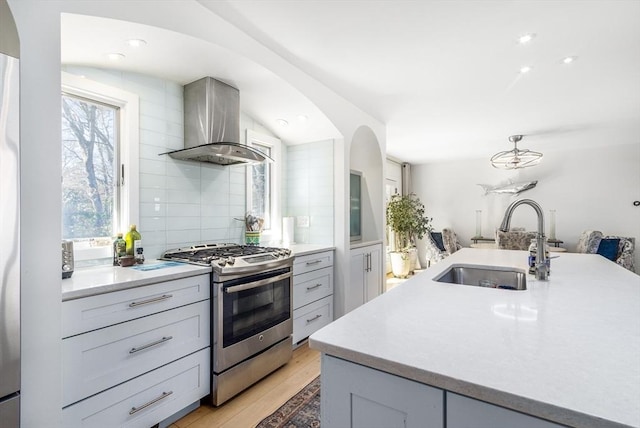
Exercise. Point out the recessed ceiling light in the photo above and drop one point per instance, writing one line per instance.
(115, 56)
(526, 38)
(136, 43)
(525, 69)
(569, 59)
(303, 117)
(282, 123)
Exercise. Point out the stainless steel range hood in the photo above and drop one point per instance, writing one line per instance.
(212, 126)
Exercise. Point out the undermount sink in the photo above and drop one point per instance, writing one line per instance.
(485, 276)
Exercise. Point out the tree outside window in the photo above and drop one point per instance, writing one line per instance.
(89, 160)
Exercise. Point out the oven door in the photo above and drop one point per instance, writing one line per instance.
(251, 314)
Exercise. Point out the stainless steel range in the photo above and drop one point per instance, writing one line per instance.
(251, 322)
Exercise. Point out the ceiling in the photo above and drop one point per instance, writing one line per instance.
(443, 76)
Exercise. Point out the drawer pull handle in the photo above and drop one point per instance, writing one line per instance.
(149, 345)
(314, 318)
(135, 410)
(315, 262)
(313, 287)
(152, 300)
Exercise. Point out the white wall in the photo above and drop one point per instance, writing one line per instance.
(589, 189)
(40, 215)
(366, 157)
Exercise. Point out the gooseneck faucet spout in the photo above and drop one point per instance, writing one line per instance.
(542, 270)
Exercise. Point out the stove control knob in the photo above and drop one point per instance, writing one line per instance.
(222, 262)
(231, 260)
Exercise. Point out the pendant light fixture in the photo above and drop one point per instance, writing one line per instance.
(516, 158)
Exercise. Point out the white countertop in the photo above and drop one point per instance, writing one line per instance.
(304, 249)
(91, 281)
(94, 280)
(566, 350)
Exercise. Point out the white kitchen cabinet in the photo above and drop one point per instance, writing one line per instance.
(360, 397)
(135, 357)
(145, 400)
(356, 396)
(99, 359)
(365, 279)
(102, 310)
(312, 317)
(465, 412)
(312, 293)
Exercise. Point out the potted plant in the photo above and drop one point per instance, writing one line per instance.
(406, 218)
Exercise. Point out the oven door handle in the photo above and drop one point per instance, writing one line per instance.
(256, 284)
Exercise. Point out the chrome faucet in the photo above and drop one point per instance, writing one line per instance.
(542, 270)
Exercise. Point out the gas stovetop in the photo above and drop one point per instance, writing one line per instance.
(231, 258)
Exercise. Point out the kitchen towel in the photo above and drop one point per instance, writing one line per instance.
(287, 230)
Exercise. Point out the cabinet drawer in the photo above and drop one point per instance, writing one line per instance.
(312, 286)
(359, 396)
(310, 262)
(91, 313)
(145, 400)
(95, 361)
(311, 318)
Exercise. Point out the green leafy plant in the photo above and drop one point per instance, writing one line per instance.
(406, 217)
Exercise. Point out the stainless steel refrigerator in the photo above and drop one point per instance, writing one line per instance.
(9, 222)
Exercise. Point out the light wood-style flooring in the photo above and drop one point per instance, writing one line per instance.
(256, 403)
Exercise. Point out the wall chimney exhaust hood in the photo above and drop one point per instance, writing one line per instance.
(212, 126)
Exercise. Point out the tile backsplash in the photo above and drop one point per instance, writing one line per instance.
(309, 191)
(182, 203)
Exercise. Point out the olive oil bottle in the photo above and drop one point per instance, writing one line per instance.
(133, 241)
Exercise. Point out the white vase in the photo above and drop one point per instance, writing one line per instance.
(414, 263)
(400, 264)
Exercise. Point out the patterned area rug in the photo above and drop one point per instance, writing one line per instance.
(301, 411)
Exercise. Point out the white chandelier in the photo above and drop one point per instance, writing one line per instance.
(516, 158)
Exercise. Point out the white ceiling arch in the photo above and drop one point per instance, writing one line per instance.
(86, 40)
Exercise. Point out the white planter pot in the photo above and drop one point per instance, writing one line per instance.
(400, 264)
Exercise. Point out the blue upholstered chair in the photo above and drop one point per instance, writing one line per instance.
(439, 245)
(618, 249)
(434, 247)
(450, 240)
(589, 241)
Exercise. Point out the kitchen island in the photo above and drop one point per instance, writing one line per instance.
(563, 352)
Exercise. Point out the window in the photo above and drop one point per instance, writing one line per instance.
(263, 182)
(90, 145)
(99, 165)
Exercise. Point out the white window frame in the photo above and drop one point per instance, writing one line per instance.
(255, 138)
(129, 106)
